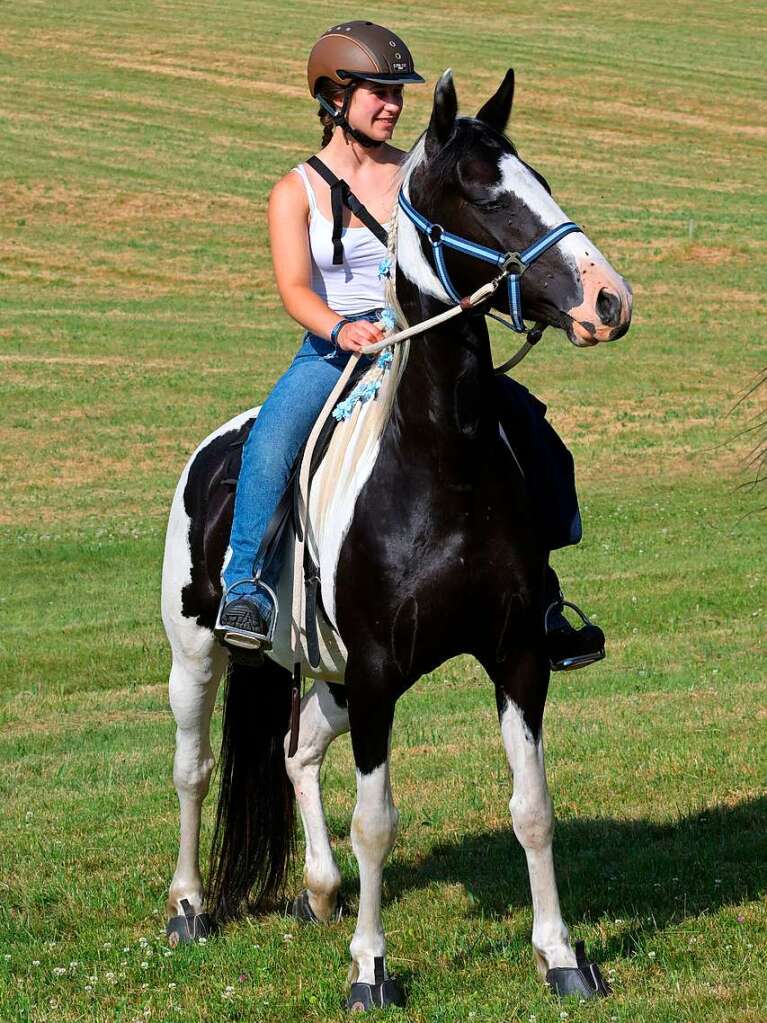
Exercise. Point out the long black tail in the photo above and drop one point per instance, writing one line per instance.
(254, 837)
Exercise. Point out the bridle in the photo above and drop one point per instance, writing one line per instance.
(510, 264)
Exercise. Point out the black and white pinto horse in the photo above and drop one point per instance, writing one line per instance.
(428, 548)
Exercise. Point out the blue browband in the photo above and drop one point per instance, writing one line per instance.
(511, 264)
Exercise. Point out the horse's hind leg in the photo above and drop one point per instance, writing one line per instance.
(323, 717)
(194, 679)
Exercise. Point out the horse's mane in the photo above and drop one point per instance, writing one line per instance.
(355, 443)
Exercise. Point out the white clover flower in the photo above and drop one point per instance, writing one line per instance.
(35, 962)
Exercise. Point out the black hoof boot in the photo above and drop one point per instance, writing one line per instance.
(363, 997)
(301, 909)
(182, 930)
(583, 980)
(570, 648)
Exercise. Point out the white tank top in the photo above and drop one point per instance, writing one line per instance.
(353, 285)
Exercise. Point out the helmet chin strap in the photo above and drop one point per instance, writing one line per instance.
(339, 117)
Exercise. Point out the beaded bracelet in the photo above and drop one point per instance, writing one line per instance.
(336, 331)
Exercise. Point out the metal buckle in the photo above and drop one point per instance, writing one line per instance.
(430, 235)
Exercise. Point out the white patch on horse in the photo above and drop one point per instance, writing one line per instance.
(321, 721)
(373, 831)
(518, 180)
(533, 820)
(410, 258)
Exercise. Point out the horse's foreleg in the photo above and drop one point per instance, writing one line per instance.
(322, 719)
(192, 686)
(374, 829)
(533, 820)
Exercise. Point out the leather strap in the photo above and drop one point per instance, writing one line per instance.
(341, 195)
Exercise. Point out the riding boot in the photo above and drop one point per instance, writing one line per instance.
(569, 648)
(246, 621)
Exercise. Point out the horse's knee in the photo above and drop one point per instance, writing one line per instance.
(374, 830)
(533, 819)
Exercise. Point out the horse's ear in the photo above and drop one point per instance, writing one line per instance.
(443, 113)
(497, 110)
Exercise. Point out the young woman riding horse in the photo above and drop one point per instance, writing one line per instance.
(326, 261)
(431, 548)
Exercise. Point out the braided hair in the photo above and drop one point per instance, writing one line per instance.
(329, 91)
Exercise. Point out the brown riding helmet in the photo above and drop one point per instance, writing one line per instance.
(360, 50)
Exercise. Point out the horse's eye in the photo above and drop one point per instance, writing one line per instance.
(489, 205)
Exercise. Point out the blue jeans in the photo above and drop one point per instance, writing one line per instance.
(278, 434)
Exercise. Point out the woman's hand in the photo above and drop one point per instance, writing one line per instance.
(353, 337)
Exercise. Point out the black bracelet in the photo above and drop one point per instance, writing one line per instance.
(336, 331)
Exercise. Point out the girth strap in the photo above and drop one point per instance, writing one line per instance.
(341, 195)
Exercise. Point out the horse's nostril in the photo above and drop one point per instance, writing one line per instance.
(609, 308)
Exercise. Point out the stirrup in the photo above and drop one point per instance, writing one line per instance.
(244, 639)
(574, 661)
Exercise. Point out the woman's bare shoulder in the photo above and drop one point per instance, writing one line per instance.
(289, 190)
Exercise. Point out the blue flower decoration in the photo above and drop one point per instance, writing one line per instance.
(388, 318)
(384, 268)
(365, 391)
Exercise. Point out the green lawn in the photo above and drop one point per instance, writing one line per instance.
(137, 311)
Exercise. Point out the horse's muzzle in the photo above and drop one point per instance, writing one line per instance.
(605, 312)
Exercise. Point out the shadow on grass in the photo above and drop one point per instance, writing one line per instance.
(660, 873)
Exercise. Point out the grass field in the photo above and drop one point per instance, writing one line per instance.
(137, 311)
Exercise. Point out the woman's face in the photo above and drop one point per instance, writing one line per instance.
(375, 109)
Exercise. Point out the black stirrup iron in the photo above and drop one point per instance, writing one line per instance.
(570, 648)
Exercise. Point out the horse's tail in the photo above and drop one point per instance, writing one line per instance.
(253, 840)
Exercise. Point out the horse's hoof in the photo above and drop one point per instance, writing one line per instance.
(375, 996)
(301, 909)
(182, 930)
(583, 980)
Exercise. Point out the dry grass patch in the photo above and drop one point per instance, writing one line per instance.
(59, 204)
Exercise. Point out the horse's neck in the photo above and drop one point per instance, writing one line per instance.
(446, 393)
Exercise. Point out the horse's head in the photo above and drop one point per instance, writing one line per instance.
(471, 181)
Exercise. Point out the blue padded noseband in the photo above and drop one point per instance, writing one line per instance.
(511, 264)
